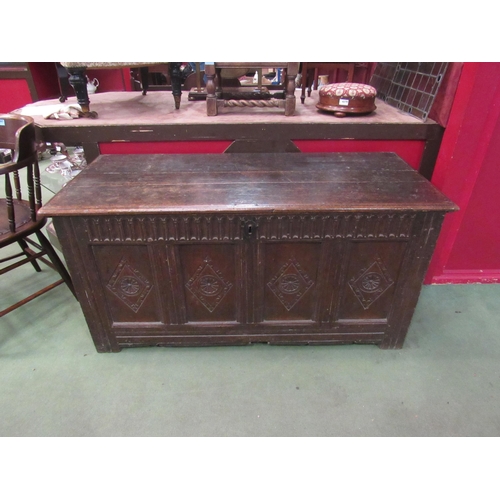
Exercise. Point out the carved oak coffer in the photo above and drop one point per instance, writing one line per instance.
(189, 250)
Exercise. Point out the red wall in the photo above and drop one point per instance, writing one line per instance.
(14, 94)
(410, 151)
(45, 79)
(468, 172)
(174, 147)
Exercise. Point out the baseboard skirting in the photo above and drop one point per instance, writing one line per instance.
(467, 276)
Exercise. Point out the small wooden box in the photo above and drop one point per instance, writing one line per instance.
(292, 248)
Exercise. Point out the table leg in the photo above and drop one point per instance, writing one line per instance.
(350, 72)
(78, 80)
(144, 72)
(304, 83)
(176, 79)
(64, 87)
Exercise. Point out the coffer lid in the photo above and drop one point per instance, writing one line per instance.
(240, 182)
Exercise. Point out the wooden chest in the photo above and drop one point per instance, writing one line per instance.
(189, 250)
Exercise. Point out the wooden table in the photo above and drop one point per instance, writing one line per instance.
(284, 248)
(128, 126)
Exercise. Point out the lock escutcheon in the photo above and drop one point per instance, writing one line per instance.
(249, 228)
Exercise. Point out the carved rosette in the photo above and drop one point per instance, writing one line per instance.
(208, 285)
(290, 284)
(129, 285)
(371, 283)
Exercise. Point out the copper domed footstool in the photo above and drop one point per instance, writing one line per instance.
(347, 98)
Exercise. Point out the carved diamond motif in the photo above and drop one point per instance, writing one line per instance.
(208, 285)
(371, 283)
(290, 284)
(129, 285)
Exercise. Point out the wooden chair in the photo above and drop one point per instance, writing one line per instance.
(18, 210)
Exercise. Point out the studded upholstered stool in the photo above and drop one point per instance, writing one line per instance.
(347, 98)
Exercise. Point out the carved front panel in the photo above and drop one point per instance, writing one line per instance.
(290, 273)
(371, 276)
(128, 283)
(210, 282)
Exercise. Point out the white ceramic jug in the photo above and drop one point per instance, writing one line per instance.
(92, 85)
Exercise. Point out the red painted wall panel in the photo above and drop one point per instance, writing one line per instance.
(467, 171)
(14, 94)
(174, 147)
(477, 245)
(409, 151)
(45, 79)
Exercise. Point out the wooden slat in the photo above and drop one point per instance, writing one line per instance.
(257, 182)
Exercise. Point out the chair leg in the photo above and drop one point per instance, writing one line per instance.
(78, 81)
(176, 80)
(28, 252)
(64, 85)
(144, 72)
(46, 245)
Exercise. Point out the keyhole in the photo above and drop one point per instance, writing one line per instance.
(250, 229)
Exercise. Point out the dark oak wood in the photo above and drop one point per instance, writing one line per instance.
(91, 136)
(238, 248)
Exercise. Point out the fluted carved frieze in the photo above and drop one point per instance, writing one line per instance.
(214, 227)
